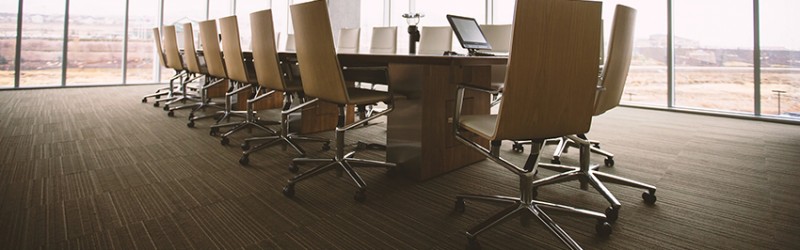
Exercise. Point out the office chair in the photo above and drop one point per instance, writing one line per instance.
(499, 36)
(349, 40)
(175, 61)
(384, 40)
(322, 78)
(270, 76)
(552, 69)
(245, 77)
(435, 40)
(169, 91)
(607, 96)
(194, 68)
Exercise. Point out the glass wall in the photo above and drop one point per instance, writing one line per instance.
(780, 58)
(243, 10)
(436, 12)
(95, 48)
(178, 12)
(714, 55)
(8, 42)
(42, 43)
(502, 11)
(369, 19)
(142, 61)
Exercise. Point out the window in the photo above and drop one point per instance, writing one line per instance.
(243, 10)
(178, 12)
(372, 13)
(780, 58)
(8, 42)
(142, 61)
(502, 11)
(94, 50)
(42, 43)
(436, 12)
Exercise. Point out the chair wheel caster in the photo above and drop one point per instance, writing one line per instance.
(144, 100)
(473, 244)
(360, 195)
(213, 131)
(191, 115)
(603, 229)
(288, 191)
(244, 160)
(166, 107)
(609, 162)
(460, 206)
(155, 104)
(245, 146)
(612, 214)
(326, 146)
(517, 148)
(171, 113)
(293, 168)
(190, 124)
(649, 198)
(555, 161)
(224, 141)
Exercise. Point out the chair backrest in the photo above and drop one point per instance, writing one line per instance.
(552, 70)
(618, 61)
(189, 52)
(265, 54)
(435, 40)
(232, 49)
(319, 66)
(289, 46)
(160, 51)
(384, 40)
(498, 35)
(211, 52)
(174, 60)
(348, 40)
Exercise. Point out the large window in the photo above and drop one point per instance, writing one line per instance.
(178, 12)
(42, 43)
(714, 54)
(780, 58)
(142, 63)
(436, 12)
(8, 42)
(95, 48)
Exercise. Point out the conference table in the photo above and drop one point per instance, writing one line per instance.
(419, 135)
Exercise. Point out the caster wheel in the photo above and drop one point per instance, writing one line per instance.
(288, 191)
(473, 244)
(171, 113)
(224, 141)
(360, 196)
(166, 107)
(155, 104)
(326, 146)
(609, 162)
(213, 132)
(649, 198)
(144, 100)
(245, 146)
(555, 161)
(603, 229)
(191, 115)
(294, 169)
(612, 214)
(190, 124)
(244, 160)
(517, 148)
(460, 206)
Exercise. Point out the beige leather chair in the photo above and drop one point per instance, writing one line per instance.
(499, 36)
(243, 77)
(435, 40)
(168, 91)
(349, 40)
(175, 61)
(270, 76)
(384, 40)
(552, 68)
(195, 70)
(608, 94)
(322, 78)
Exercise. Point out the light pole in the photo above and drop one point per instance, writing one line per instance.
(779, 99)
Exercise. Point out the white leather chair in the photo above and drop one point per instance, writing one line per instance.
(384, 40)
(349, 40)
(435, 40)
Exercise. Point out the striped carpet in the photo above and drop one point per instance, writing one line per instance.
(94, 168)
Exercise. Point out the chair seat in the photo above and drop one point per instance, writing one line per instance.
(483, 125)
(359, 96)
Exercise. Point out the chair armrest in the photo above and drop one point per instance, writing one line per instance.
(240, 89)
(490, 91)
(259, 97)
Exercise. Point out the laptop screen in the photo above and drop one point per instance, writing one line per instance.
(468, 32)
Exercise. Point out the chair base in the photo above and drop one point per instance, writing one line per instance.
(562, 146)
(284, 140)
(345, 163)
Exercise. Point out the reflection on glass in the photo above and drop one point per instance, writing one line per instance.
(42, 43)
(143, 16)
(8, 42)
(780, 59)
(95, 44)
(714, 54)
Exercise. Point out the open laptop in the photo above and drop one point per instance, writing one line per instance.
(470, 35)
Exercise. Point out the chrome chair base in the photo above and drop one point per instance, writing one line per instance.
(562, 146)
(588, 175)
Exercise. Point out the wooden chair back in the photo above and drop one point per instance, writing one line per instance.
(232, 49)
(384, 40)
(211, 51)
(319, 66)
(265, 55)
(435, 40)
(174, 60)
(618, 61)
(160, 51)
(349, 40)
(189, 51)
(552, 70)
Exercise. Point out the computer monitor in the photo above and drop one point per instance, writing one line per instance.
(469, 33)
